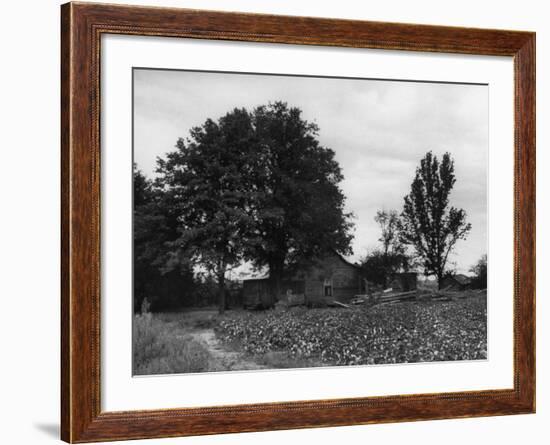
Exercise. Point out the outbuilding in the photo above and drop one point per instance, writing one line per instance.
(457, 282)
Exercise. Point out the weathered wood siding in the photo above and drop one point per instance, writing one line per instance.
(344, 278)
(256, 294)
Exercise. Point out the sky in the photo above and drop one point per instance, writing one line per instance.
(379, 130)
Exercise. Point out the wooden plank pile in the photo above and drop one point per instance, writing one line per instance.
(392, 297)
(446, 294)
(385, 297)
(335, 303)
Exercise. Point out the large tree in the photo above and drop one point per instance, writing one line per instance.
(300, 212)
(255, 186)
(207, 182)
(429, 223)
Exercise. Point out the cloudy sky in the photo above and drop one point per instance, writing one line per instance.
(379, 130)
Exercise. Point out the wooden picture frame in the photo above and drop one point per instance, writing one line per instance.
(82, 25)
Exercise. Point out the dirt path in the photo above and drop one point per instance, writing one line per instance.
(224, 359)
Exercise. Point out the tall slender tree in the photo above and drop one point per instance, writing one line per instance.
(429, 223)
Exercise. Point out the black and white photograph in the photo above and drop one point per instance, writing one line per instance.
(285, 221)
(275, 222)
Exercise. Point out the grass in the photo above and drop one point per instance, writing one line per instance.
(162, 347)
(203, 318)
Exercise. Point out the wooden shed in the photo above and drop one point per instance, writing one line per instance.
(456, 282)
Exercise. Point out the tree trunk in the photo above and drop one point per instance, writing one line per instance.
(221, 292)
(439, 279)
(276, 269)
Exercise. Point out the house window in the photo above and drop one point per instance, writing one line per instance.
(328, 288)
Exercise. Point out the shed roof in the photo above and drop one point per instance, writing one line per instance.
(349, 263)
(462, 279)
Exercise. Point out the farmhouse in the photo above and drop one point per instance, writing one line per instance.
(456, 282)
(330, 278)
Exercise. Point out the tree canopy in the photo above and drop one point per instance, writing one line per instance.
(300, 211)
(155, 227)
(208, 187)
(254, 186)
(391, 257)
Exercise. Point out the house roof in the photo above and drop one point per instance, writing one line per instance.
(349, 263)
(462, 279)
(265, 276)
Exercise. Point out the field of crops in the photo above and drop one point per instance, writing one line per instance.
(398, 333)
